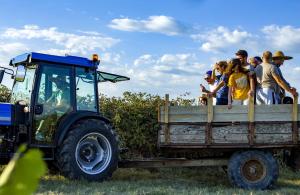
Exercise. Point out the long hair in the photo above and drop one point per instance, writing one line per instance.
(236, 62)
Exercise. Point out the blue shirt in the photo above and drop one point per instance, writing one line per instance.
(222, 93)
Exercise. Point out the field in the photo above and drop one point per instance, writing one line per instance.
(165, 181)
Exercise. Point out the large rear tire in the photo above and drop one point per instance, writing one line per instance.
(253, 170)
(89, 151)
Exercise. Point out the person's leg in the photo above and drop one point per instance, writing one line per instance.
(267, 95)
(222, 101)
(260, 97)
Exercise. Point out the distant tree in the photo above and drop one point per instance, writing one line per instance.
(4, 93)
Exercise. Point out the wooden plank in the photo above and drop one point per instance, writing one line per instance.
(273, 138)
(235, 114)
(157, 163)
(295, 109)
(166, 109)
(185, 129)
(294, 119)
(186, 114)
(251, 109)
(222, 114)
(269, 128)
(166, 114)
(186, 139)
(251, 116)
(298, 117)
(210, 110)
(210, 117)
(230, 134)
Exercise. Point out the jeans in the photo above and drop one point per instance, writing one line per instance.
(222, 101)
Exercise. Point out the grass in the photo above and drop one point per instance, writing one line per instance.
(165, 181)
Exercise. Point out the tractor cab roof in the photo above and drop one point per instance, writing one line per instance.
(32, 57)
(67, 60)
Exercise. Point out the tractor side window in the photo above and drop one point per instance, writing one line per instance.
(85, 90)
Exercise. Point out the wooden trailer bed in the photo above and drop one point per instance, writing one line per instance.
(257, 126)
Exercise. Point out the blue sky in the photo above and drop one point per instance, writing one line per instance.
(164, 46)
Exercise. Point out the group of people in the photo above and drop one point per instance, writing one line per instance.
(238, 79)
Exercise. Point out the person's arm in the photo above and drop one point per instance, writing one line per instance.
(230, 98)
(283, 85)
(252, 85)
(213, 93)
(203, 89)
(282, 78)
(213, 75)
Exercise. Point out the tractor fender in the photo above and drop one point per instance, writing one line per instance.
(70, 119)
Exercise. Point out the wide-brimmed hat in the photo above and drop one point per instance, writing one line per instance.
(280, 55)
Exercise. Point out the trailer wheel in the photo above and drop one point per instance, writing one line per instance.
(90, 151)
(253, 170)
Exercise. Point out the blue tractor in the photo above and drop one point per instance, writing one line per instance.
(54, 107)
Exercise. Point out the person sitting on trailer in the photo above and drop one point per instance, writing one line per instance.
(268, 74)
(242, 55)
(255, 61)
(278, 60)
(239, 85)
(212, 83)
(221, 90)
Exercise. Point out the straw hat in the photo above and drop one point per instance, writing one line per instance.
(280, 54)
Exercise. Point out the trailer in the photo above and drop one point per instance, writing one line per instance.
(244, 138)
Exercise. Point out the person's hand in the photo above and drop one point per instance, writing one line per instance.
(211, 94)
(293, 91)
(251, 93)
(229, 106)
(202, 88)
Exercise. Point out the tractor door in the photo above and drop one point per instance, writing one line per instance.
(53, 100)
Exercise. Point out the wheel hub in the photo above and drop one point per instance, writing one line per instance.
(253, 170)
(93, 153)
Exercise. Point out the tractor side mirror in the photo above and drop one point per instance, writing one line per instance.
(21, 72)
(1, 75)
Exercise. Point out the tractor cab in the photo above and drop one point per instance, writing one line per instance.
(50, 94)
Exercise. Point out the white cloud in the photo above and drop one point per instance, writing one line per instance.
(7, 50)
(221, 38)
(145, 59)
(107, 58)
(282, 37)
(168, 73)
(71, 43)
(159, 24)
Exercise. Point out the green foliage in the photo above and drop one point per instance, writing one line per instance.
(22, 174)
(4, 94)
(135, 118)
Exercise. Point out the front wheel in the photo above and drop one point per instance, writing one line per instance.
(253, 170)
(89, 151)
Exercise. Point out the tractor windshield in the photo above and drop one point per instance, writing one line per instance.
(22, 88)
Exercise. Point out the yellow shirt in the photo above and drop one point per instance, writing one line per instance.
(240, 85)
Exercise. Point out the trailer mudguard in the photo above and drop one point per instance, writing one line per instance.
(70, 119)
(5, 114)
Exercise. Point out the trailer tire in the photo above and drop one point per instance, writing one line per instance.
(89, 151)
(253, 170)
